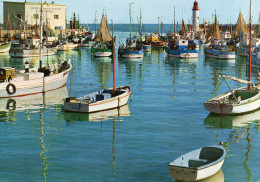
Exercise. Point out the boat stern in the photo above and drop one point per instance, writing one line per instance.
(218, 107)
(182, 173)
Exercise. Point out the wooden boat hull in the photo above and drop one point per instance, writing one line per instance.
(193, 174)
(157, 43)
(219, 54)
(85, 107)
(35, 86)
(216, 105)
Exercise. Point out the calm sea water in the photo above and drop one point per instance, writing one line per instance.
(164, 119)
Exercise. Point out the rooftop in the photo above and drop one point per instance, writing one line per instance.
(33, 3)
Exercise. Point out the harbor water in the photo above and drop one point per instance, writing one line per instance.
(164, 119)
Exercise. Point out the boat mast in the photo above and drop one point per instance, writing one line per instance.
(250, 45)
(140, 26)
(95, 22)
(114, 76)
(41, 37)
(130, 17)
(174, 24)
(158, 26)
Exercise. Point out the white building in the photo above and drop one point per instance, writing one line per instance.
(195, 17)
(30, 12)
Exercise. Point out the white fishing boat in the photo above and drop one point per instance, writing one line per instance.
(66, 46)
(98, 101)
(101, 100)
(35, 80)
(241, 100)
(31, 49)
(198, 164)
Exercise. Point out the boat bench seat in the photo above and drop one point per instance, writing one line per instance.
(197, 162)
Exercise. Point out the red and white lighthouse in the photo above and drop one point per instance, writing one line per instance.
(195, 17)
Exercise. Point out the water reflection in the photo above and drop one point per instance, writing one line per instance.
(241, 125)
(231, 121)
(97, 116)
(10, 106)
(103, 68)
(44, 148)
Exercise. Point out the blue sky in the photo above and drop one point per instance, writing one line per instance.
(118, 10)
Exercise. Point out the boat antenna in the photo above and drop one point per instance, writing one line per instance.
(130, 16)
(250, 45)
(114, 84)
(41, 37)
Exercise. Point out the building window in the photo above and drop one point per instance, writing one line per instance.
(36, 16)
(56, 16)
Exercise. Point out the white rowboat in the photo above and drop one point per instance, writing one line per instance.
(198, 164)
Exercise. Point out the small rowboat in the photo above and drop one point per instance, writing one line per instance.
(198, 164)
(98, 101)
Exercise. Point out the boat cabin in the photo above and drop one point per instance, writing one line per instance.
(32, 43)
(7, 73)
(130, 43)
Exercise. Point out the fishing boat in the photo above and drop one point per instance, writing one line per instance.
(5, 47)
(101, 100)
(256, 57)
(182, 49)
(132, 49)
(241, 100)
(34, 80)
(31, 49)
(98, 101)
(218, 48)
(88, 40)
(102, 46)
(198, 164)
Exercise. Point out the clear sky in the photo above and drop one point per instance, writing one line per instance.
(118, 10)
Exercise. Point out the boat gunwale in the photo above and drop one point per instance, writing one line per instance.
(220, 159)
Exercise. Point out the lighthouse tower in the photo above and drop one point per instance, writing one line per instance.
(195, 17)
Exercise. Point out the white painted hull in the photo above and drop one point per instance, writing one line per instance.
(24, 53)
(102, 105)
(193, 174)
(67, 47)
(132, 55)
(5, 49)
(185, 55)
(220, 56)
(216, 106)
(198, 164)
(102, 54)
(35, 86)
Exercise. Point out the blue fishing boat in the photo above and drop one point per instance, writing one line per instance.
(181, 48)
(218, 49)
(131, 49)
